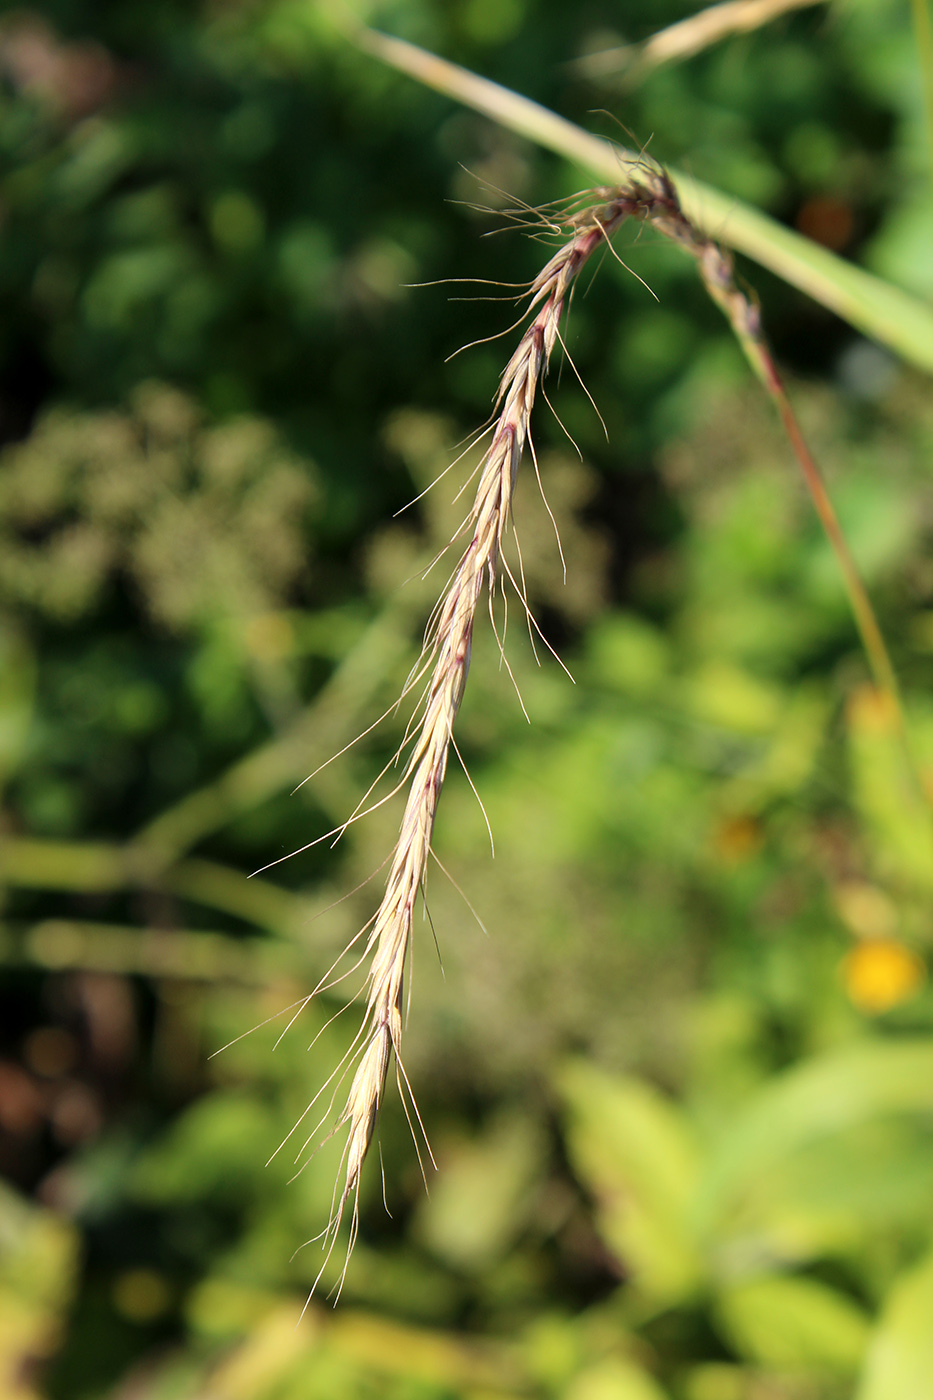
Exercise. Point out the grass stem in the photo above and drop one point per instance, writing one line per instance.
(923, 33)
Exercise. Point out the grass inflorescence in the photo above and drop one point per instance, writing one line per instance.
(588, 223)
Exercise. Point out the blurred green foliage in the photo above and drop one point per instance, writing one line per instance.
(678, 1082)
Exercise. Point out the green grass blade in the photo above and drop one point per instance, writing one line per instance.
(923, 35)
(900, 1359)
(885, 313)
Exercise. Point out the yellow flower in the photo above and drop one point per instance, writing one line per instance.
(880, 973)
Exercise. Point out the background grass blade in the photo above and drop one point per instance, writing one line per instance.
(688, 36)
(923, 34)
(880, 311)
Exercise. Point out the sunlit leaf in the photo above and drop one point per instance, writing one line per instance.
(482, 1194)
(798, 1323)
(894, 814)
(38, 1258)
(811, 1103)
(615, 1379)
(634, 1151)
(899, 1365)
